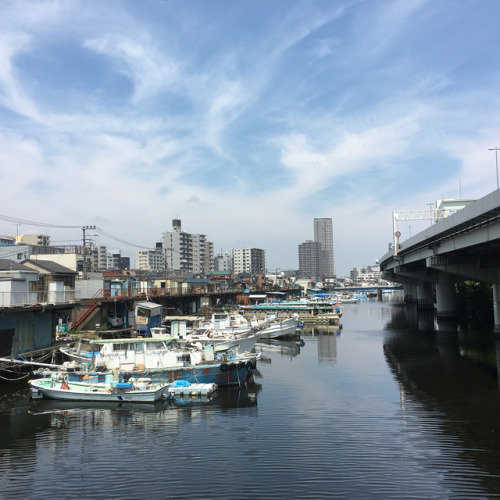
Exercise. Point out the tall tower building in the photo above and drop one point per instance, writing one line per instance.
(323, 234)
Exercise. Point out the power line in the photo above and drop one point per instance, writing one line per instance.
(26, 222)
(120, 240)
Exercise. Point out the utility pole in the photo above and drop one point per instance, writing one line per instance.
(84, 270)
(430, 209)
(496, 159)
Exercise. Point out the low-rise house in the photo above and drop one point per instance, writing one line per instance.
(56, 283)
(26, 322)
(18, 284)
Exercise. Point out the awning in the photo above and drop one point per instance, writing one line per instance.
(148, 308)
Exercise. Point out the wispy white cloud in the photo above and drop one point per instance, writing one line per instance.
(12, 94)
(150, 71)
(246, 124)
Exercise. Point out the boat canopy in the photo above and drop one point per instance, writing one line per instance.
(167, 340)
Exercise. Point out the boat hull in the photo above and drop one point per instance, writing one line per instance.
(53, 390)
(223, 374)
(286, 328)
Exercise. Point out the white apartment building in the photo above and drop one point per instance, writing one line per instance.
(190, 253)
(249, 260)
(150, 260)
(369, 274)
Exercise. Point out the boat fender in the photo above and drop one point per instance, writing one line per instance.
(248, 364)
(241, 365)
(232, 366)
(223, 367)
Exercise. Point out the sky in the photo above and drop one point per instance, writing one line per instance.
(246, 119)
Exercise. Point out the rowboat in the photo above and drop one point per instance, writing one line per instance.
(65, 390)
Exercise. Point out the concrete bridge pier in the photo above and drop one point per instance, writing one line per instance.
(425, 295)
(496, 307)
(410, 289)
(446, 300)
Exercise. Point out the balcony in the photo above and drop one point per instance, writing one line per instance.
(27, 299)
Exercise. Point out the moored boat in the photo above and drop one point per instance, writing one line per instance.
(280, 328)
(163, 359)
(65, 390)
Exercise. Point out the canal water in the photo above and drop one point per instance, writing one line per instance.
(383, 407)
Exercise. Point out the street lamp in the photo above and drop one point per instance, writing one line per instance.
(496, 160)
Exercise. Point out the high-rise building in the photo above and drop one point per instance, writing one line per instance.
(309, 259)
(185, 252)
(323, 234)
(249, 260)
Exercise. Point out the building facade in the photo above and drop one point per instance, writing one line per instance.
(309, 259)
(150, 260)
(41, 240)
(323, 234)
(249, 260)
(185, 252)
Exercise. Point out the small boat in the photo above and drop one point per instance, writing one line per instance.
(224, 331)
(280, 328)
(76, 354)
(141, 392)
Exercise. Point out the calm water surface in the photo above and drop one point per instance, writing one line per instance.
(376, 409)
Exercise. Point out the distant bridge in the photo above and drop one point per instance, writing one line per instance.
(464, 246)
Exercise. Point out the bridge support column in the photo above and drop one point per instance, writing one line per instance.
(425, 296)
(446, 300)
(496, 307)
(410, 290)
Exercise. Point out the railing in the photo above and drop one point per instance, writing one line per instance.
(162, 292)
(87, 310)
(23, 299)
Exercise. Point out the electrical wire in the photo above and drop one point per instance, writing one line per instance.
(15, 220)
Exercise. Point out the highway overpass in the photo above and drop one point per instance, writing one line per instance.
(462, 246)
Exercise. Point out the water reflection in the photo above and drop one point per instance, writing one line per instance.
(478, 346)
(284, 347)
(443, 372)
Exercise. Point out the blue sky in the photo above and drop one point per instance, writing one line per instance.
(246, 119)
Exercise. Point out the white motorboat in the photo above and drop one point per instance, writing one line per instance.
(280, 328)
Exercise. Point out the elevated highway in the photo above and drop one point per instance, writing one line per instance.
(463, 246)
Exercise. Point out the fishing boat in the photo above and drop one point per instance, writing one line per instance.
(164, 359)
(223, 332)
(141, 392)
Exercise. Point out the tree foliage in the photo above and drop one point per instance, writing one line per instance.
(475, 305)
